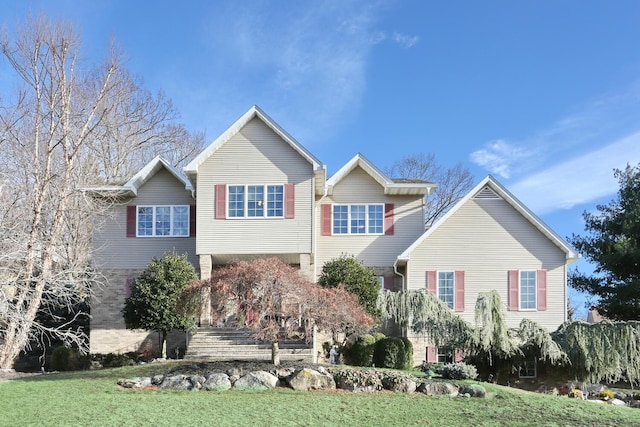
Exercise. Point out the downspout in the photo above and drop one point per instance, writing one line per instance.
(315, 238)
(395, 270)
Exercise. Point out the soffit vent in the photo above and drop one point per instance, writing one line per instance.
(486, 193)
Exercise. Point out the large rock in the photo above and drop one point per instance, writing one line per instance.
(135, 382)
(474, 390)
(616, 402)
(309, 379)
(258, 380)
(176, 382)
(438, 389)
(197, 381)
(217, 382)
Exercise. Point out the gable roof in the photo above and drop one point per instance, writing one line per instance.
(131, 187)
(254, 112)
(392, 187)
(500, 191)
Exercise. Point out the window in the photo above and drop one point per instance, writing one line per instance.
(446, 287)
(255, 201)
(528, 369)
(445, 355)
(358, 219)
(162, 221)
(528, 290)
(381, 282)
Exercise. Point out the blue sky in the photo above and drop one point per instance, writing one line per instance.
(543, 95)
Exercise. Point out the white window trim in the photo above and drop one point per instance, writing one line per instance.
(366, 219)
(153, 207)
(246, 202)
(535, 290)
(453, 273)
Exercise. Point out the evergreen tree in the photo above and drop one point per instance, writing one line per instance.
(613, 244)
(155, 302)
(356, 277)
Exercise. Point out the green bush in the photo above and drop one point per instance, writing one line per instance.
(408, 353)
(458, 371)
(392, 352)
(360, 353)
(69, 359)
(115, 360)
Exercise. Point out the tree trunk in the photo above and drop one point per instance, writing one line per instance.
(163, 344)
(275, 353)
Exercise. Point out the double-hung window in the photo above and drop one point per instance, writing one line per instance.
(358, 219)
(528, 290)
(255, 201)
(446, 290)
(162, 221)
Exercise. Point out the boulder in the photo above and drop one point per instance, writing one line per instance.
(217, 382)
(309, 379)
(157, 379)
(616, 402)
(197, 381)
(258, 380)
(474, 390)
(135, 382)
(622, 396)
(176, 382)
(437, 389)
(594, 389)
(406, 385)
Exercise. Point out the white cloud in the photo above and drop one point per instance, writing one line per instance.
(405, 41)
(499, 156)
(580, 180)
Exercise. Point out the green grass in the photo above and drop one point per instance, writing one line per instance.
(93, 398)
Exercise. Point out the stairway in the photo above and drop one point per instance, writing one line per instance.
(238, 344)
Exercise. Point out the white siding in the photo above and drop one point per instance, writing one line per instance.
(114, 250)
(486, 239)
(375, 250)
(256, 155)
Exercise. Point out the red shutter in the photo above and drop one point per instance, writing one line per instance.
(289, 201)
(542, 289)
(128, 286)
(388, 219)
(459, 290)
(326, 219)
(192, 221)
(514, 291)
(458, 355)
(131, 221)
(388, 283)
(431, 283)
(432, 354)
(221, 201)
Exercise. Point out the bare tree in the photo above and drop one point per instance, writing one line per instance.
(453, 183)
(53, 143)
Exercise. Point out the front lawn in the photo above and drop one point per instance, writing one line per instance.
(93, 398)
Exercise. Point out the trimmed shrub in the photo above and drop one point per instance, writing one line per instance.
(458, 371)
(408, 353)
(360, 353)
(392, 353)
(69, 359)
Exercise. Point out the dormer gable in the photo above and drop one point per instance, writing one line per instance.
(390, 186)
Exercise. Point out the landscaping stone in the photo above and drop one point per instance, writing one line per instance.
(259, 380)
(616, 402)
(594, 389)
(197, 381)
(135, 382)
(157, 379)
(406, 385)
(474, 390)
(622, 396)
(284, 374)
(217, 382)
(176, 382)
(309, 379)
(437, 389)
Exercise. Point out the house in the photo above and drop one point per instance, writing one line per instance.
(256, 191)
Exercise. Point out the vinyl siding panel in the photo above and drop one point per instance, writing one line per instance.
(486, 239)
(256, 155)
(374, 250)
(116, 251)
